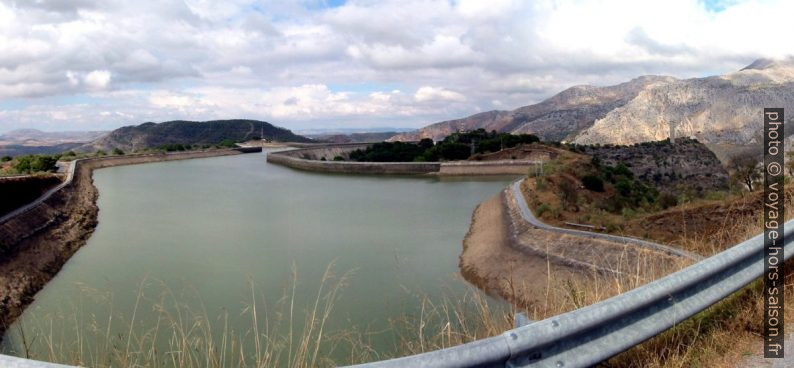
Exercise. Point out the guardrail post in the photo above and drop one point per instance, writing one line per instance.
(522, 320)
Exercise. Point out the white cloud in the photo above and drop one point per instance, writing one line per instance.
(97, 79)
(427, 93)
(201, 59)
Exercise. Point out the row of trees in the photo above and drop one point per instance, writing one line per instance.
(30, 164)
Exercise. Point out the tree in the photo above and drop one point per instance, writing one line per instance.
(426, 143)
(744, 168)
(35, 163)
(569, 194)
(117, 151)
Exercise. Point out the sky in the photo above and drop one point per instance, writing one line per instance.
(329, 64)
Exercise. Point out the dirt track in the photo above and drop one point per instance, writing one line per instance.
(36, 244)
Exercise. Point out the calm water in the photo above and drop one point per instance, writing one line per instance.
(205, 229)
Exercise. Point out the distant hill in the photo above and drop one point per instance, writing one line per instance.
(35, 137)
(149, 135)
(19, 150)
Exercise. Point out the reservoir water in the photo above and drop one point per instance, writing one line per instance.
(209, 237)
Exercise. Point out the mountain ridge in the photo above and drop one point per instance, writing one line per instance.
(722, 109)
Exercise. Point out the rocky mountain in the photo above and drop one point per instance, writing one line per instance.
(146, 135)
(724, 111)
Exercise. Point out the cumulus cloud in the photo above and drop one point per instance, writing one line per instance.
(97, 79)
(427, 93)
(90, 63)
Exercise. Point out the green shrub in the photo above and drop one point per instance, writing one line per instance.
(227, 143)
(36, 163)
(593, 183)
(339, 158)
(540, 183)
(5, 159)
(543, 208)
(667, 200)
(117, 151)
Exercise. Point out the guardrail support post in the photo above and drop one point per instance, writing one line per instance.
(522, 320)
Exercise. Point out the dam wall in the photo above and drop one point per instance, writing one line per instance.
(501, 167)
(53, 206)
(311, 159)
(349, 167)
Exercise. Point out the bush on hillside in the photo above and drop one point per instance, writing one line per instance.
(36, 163)
(593, 183)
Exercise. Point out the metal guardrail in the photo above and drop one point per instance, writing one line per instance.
(592, 334)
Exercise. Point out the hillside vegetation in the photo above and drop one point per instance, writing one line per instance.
(152, 135)
(606, 186)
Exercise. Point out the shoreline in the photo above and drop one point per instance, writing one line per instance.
(489, 262)
(35, 244)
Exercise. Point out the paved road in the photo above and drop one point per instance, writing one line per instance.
(528, 216)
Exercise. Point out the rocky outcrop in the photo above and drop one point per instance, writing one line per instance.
(675, 167)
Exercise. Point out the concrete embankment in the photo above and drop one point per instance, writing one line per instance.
(311, 159)
(36, 243)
